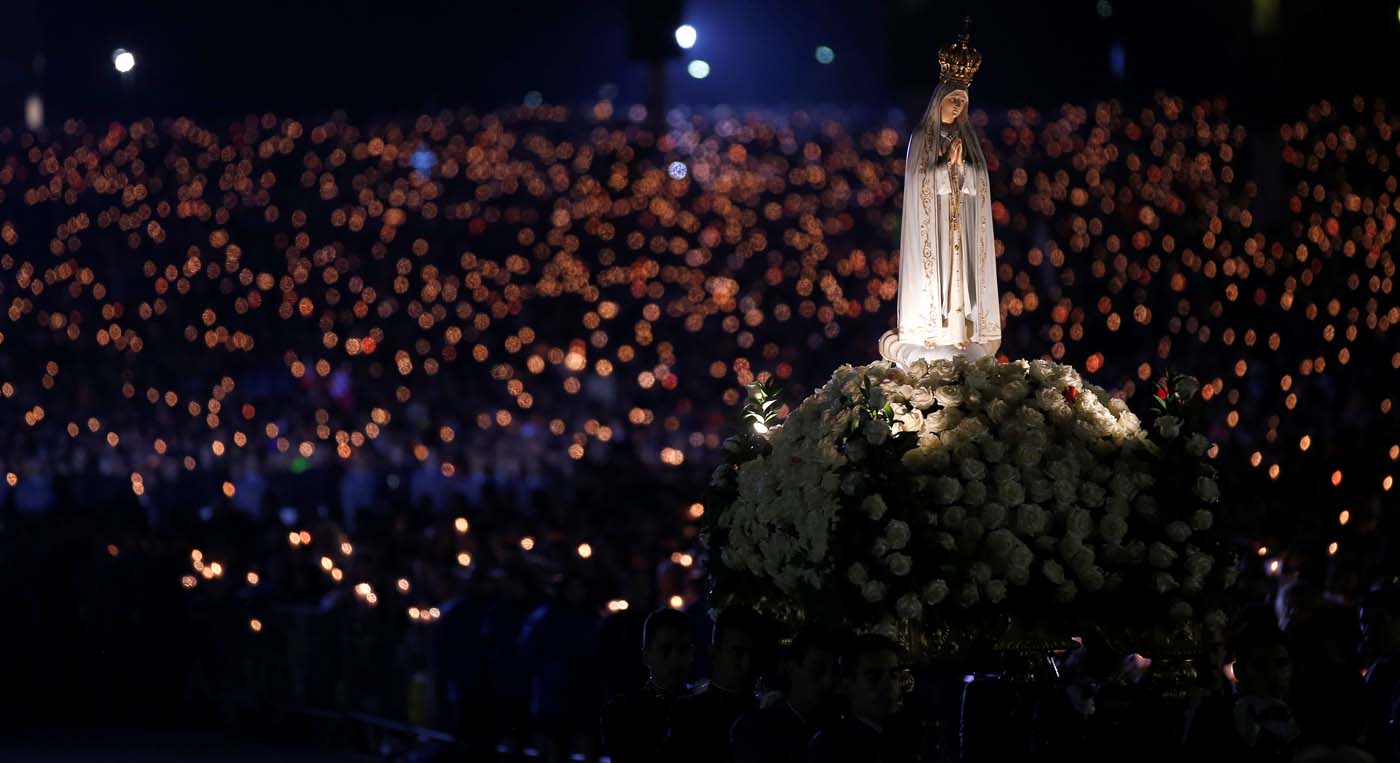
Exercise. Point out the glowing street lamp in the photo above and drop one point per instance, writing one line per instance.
(685, 36)
(123, 60)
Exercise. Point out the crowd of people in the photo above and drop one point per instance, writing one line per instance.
(412, 418)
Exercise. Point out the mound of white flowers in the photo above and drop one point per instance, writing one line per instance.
(958, 490)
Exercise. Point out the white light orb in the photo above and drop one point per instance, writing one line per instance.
(124, 60)
(698, 69)
(676, 170)
(825, 55)
(685, 36)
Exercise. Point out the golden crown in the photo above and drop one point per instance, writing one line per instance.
(958, 61)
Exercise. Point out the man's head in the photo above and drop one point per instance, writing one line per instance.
(735, 648)
(952, 106)
(872, 676)
(667, 649)
(1263, 666)
(1380, 621)
(810, 665)
(1297, 604)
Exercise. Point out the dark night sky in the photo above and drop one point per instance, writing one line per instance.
(222, 59)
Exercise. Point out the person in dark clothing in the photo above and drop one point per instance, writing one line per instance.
(1380, 638)
(872, 678)
(781, 733)
(1255, 724)
(636, 726)
(704, 720)
(558, 642)
(1328, 691)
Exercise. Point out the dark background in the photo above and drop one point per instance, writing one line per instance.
(221, 59)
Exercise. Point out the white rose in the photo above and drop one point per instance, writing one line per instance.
(1207, 490)
(1180, 611)
(946, 490)
(908, 607)
(1178, 532)
(945, 541)
(1027, 456)
(1011, 493)
(1161, 556)
(1052, 571)
(1018, 576)
(1079, 523)
(1065, 592)
(1030, 520)
(993, 515)
(953, 517)
(1122, 486)
(1198, 565)
(1014, 391)
(1068, 545)
(873, 591)
(937, 422)
(1020, 557)
(935, 592)
(879, 548)
(968, 595)
(1202, 519)
(980, 572)
(1197, 445)
(1081, 560)
(1092, 579)
(993, 450)
(1186, 387)
(1163, 582)
(1060, 469)
(909, 421)
(856, 574)
(1216, 619)
(900, 564)
(972, 470)
(1065, 493)
(975, 493)
(948, 395)
(1168, 426)
(874, 506)
(876, 431)
(1191, 585)
(921, 398)
(999, 545)
(1113, 529)
(995, 590)
(1039, 489)
(897, 533)
(1091, 495)
(997, 411)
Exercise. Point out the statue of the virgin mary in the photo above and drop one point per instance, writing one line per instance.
(948, 298)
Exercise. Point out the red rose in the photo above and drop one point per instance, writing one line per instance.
(1161, 392)
(1071, 394)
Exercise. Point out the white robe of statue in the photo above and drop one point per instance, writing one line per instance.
(948, 300)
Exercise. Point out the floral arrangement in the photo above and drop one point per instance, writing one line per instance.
(961, 493)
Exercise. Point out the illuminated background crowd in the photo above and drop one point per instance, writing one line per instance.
(308, 418)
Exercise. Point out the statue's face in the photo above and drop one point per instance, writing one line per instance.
(952, 107)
